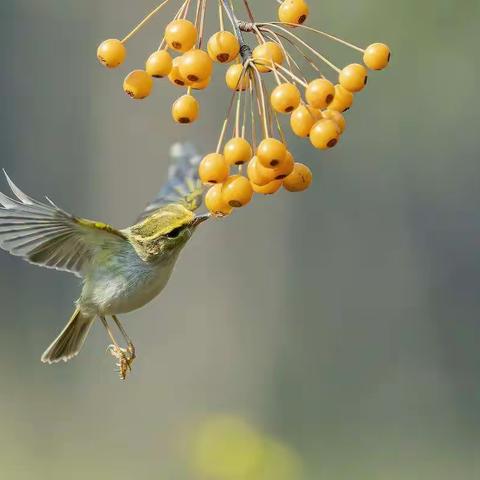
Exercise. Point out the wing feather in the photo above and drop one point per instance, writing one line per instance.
(46, 235)
(183, 184)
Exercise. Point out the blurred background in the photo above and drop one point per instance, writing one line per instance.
(329, 335)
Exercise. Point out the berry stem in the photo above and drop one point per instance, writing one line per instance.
(237, 115)
(144, 21)
(249, 11)
(220, 16)
(202, 23)
(264, 113)
(306, 45)
(289, 57)
(331, 37)
(252, 114)
(292, 75)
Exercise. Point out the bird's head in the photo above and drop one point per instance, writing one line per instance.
(165, 232)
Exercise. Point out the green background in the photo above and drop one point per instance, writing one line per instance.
(342, 322)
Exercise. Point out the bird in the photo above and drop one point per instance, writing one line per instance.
(121, 269)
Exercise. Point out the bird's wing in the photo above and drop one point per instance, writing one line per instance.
(46, 235)
(183, 185)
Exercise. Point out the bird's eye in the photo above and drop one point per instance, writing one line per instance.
(174, 233)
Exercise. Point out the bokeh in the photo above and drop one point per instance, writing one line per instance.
(327, 335)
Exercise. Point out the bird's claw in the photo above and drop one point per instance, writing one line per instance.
(125, 358)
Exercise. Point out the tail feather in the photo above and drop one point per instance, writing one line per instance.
(69, 343)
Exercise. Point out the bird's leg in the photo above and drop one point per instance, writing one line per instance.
(124, 362)
(130, 346)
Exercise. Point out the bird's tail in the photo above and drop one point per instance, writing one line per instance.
(71, 340)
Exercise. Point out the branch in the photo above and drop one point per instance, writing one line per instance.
(245, 50)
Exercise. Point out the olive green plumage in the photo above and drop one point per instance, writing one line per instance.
(122, 270)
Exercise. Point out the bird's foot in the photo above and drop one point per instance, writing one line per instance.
(125, 358)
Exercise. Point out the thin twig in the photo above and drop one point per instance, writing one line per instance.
(144, 21)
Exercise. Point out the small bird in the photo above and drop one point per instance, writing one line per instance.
(122, 270)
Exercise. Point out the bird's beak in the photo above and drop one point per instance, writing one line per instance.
(200, 219)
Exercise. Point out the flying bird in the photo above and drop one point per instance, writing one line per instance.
(121, 270)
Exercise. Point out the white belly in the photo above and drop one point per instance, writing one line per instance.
(134, 296)
(129, 286)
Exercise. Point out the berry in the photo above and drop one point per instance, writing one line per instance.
(223, 47)
(325, 134)
(237, 151)
(181, 35)
(138, 84)
(320, 93)
(237, 191)
(267, 53)
(271, 152)
(377, 56)
(258, 174)
(201, 85)
(337, 117)
(303, 118)
(213, 168)
(285, 168)
(234, 78)
(285, 98)
(185, 109)
(159, 64)
(195, 65)
(342, 101)
(299, 180)
(111, 53)
(175, 76)
(293, 11)
(353, 77)
(214, 201)
(268, 189)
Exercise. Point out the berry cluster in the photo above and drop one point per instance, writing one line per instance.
(258, 146)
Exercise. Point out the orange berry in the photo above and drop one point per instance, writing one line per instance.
(237, 191)
(138, 84)
(337, 117)
(325, 134)
(185, 109)
(293, 11)
(181, 35)
(377, 56)
(213, 168)
(267, 53)
(237, 151)
(111, 53)
(223, 47)
(303, 118)
(159, 64)
(271, 152)
(285, 98)
(215, 203)
(175, 76)
(320, 93)
(195, 65)
(353, 77)
(236, 78)
(258, 174)
(268, 189)
(342, 101)
(299, 180)
(200, 85)
(285, 168)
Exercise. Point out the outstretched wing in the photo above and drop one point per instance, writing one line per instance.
(183, 185)
(46, 235)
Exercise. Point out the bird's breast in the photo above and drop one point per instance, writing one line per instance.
(125, 283)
